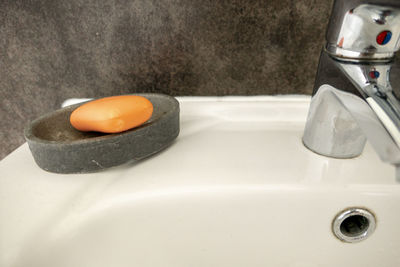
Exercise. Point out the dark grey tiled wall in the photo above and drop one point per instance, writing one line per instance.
(55, 49)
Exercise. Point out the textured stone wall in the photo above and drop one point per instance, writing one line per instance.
(55, 49)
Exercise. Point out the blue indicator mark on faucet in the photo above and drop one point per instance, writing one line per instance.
(384, 37)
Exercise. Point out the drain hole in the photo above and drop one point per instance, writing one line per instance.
(355, 225)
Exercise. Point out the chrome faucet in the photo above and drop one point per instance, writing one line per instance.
(353, 98)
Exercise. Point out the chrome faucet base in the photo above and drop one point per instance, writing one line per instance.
(330, 128)
(339, 123)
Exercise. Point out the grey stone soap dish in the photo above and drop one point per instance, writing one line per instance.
(58, 147)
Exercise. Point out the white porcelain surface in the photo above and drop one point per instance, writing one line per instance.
(237, 188)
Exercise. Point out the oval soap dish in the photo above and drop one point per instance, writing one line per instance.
(58, 147)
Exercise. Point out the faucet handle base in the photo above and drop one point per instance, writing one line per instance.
(330, 129)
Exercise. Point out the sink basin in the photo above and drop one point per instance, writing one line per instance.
(237, 188)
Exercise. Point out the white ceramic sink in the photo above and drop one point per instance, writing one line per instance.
(237, 188)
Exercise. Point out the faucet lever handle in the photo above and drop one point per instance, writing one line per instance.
(369, 31)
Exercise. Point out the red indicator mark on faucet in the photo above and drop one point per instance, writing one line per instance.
(340, 44)
(384, 37)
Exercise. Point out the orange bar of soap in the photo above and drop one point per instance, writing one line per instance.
(112, 114)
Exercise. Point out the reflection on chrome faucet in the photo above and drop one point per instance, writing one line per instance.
(353, 98)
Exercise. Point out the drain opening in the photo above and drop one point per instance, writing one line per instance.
(354, 225)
